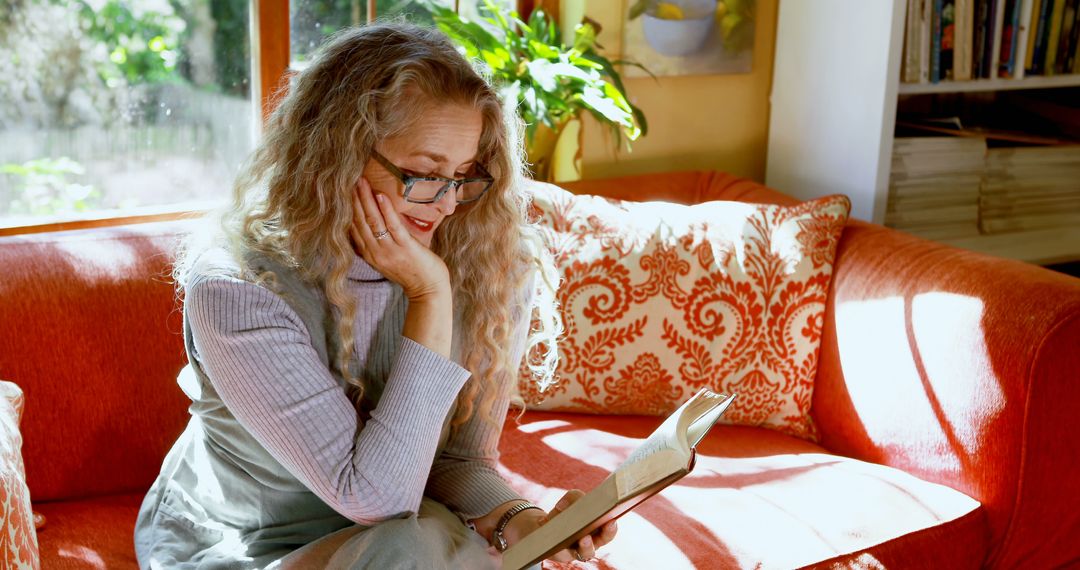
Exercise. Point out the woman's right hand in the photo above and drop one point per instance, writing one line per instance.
(398, 255)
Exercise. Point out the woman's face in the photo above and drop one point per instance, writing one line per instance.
(443, 142)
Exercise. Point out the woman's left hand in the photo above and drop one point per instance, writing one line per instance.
(585, 549)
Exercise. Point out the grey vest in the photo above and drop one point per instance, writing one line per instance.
(221, 500)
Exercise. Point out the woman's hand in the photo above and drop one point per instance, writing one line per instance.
(379, 236)
(585, 549)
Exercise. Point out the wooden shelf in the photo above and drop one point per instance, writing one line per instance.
(1034, 82)
(1041, 247)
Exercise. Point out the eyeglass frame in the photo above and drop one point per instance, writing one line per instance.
(409, 180)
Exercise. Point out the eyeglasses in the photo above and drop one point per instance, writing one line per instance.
(428, 189)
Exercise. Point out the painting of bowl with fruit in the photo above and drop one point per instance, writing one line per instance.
(679, 27)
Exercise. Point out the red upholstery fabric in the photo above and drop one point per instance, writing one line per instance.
(90, 330)
(90, 533)
(756, 499)
(682, 187)
(953, 366)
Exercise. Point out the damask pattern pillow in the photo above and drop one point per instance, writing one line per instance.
(659, 300)
(18, 539)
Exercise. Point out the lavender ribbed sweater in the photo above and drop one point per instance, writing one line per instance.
(270, 413)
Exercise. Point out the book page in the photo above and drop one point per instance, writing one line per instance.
(704, 414)
(668, 448)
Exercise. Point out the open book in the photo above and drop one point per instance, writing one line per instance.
(665, 457)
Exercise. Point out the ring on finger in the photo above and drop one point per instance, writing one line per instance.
(382, 234)
(577, 554)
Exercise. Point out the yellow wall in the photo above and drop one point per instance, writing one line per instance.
(712, 122)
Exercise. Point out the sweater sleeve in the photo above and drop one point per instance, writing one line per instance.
(258, 355)
(464, 475)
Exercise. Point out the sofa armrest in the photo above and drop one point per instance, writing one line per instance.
(962, 369)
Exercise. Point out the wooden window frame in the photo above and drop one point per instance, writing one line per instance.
(270, 72)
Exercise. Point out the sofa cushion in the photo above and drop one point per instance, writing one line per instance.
(90, 533)
(90, 330)
(18, 539)
(659, 300)
(751, 487)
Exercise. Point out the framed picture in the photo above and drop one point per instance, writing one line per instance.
(689, 37)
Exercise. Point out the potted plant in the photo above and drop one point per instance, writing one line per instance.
(552, 82)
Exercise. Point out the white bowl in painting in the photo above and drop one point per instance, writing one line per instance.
(680, 37)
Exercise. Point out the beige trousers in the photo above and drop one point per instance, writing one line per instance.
(433, 539)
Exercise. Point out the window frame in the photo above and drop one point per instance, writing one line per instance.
(270, 73)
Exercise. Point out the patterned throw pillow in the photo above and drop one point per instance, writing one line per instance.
(659, 300)
(18, 540)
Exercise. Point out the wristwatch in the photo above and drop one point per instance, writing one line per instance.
(497, 538)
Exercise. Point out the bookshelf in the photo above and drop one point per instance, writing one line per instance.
(834, 99)
(1035, 82)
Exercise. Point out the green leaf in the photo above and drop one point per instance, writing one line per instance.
(639, 116)
(548, 81)
(594, 98)
(584, 37)
(543, 50)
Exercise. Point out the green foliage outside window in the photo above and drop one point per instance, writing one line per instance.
(45, 188)
(142, 39)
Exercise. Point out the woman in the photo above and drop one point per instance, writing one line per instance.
(355, 331)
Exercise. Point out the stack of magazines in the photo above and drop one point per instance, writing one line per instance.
(934, 186)
(1030, 188)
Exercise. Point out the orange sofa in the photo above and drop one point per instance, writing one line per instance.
(945, 396)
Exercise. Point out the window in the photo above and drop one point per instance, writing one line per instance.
(120, 107)
(312, 21)
(114, 111)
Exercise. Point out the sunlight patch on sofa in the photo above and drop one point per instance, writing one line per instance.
(104, 255)
(823, 505)
(593, 447)
(642, 544)
(899, 350)
(535, 427)
(83, 554)
(963, 386)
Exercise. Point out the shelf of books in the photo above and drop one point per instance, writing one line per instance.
(951, 44)
(986, 153)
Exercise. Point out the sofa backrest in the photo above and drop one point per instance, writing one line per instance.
(688, 187)
(91, 330)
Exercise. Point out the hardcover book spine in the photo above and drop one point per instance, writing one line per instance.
(998, 30)
(977, 37)
(935, 43)
(926, 27)
(1023, 34)
(965, 11)
(1054, 38)
(1065, 44)
(1008, 39)
(911, 42)
(1042, 34)
(948, 38)
(1076, 48)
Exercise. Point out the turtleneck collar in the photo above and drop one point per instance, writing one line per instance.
(361, 270)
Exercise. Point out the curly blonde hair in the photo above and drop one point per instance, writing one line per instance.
(292, 201)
